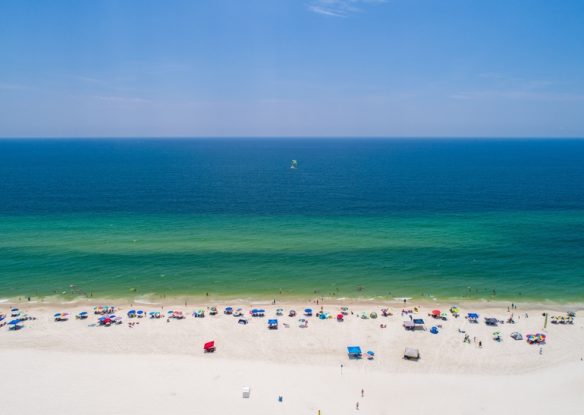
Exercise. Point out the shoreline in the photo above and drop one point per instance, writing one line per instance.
(208, 301)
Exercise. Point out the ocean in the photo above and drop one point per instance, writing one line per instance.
(451, 219)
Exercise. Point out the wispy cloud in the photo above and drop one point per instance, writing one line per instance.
(122, 99)
(517, 94)
(502, 86)
(339, 8)
(13, 87)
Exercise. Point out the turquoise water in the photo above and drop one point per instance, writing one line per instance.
(444, 255)
(501, 220)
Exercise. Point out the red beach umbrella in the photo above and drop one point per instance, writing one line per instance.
(435, 312)
(209, 346)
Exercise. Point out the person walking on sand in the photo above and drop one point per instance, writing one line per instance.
(357, 406)
(362, 393)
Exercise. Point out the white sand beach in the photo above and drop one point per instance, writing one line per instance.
(158, 367)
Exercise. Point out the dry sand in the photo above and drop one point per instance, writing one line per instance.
(158, 367)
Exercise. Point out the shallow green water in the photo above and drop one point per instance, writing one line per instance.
(529, 255)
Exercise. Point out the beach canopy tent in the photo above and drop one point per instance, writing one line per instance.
(256, 312)
(273, 324)
(209, 347)
(15, 325)
(418, 323)
(490, 321)
(411, 354)
(472, 317)
(245, 392)
(409, 325)
(354, 352)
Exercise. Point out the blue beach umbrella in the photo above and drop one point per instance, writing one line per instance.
(14, 322)
(83, 313)
(57, 315)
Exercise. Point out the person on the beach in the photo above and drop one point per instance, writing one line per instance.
(357, 406)
(362, 393)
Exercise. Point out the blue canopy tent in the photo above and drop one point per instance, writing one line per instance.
(354, 352)
(14, 325)
(256, 312)
(272, 324)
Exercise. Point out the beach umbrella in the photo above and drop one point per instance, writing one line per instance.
(56, 315)
(435, 313)
(13, 322)
(83, 313)
(209, 346)
(371, 353)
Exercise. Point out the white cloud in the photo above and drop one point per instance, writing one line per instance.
(339, 8)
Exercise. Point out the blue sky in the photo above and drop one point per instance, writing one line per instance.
(496, 68)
